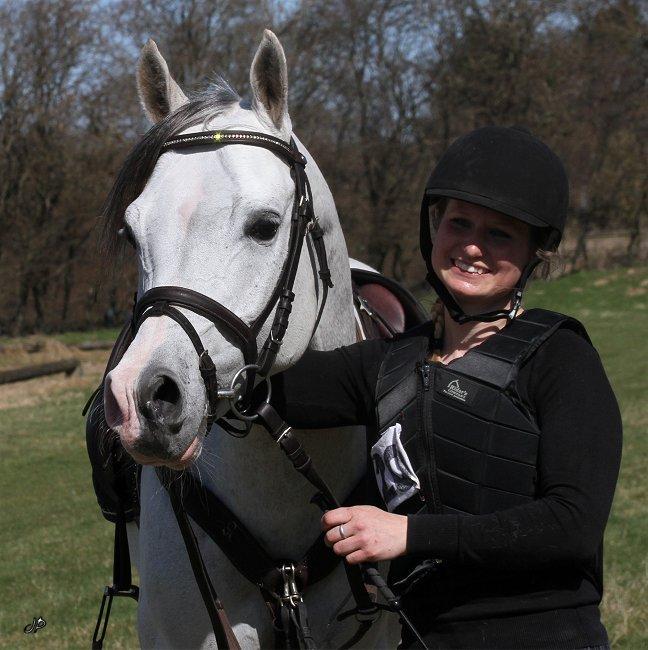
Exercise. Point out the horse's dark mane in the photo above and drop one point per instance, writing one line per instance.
(139, 163)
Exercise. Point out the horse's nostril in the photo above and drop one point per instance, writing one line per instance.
(167, 391)
(160, 402)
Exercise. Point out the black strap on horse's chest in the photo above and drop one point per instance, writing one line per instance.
(366, 609)
(237, 543)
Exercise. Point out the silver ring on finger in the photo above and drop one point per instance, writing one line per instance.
(341, 531)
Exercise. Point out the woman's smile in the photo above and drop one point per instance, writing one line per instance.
(470, 269)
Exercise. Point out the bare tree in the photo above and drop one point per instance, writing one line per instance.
(378, 90)
(40, 89)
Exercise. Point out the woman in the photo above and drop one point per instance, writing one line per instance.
(499, 437)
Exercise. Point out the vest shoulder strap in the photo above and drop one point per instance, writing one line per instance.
(396, 386)
(498, 359)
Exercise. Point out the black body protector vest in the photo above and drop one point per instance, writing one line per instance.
(470, 438)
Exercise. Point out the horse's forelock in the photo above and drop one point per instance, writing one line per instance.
(140, 162)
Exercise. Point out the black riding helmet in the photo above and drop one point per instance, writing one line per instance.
(508, 170)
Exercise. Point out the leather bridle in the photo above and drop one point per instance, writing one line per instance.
(165, 300)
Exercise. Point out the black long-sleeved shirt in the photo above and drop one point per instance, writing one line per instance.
(536, 567)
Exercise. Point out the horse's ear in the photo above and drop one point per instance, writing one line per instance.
(269, 81)
(158, 91)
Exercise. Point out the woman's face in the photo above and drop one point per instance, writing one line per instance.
(479, 255)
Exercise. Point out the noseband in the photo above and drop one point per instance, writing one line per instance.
(165, 300)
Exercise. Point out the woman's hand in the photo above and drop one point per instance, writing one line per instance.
(365, 533)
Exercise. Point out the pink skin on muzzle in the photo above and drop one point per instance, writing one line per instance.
(120, 402)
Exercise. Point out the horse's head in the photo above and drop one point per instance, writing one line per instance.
(213, 220)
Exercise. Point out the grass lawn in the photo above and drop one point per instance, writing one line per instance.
(56, 547)
(57, 550)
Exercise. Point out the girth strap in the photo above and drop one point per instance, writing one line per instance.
(292, 629)
(234, 540)
(249, 558)
(238, 544)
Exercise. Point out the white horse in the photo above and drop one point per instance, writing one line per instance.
(217, 222)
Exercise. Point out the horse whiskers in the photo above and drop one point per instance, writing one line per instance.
(157, 491)
(179, 478)
(210, 454)
(210, 472)
(95, 409)
(163, 485)
(203, 488)
(106, 437)
(209, 466)
(208, 457)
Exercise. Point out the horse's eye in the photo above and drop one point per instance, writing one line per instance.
(264, 230)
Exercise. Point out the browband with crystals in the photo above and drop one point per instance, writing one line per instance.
(215, 138)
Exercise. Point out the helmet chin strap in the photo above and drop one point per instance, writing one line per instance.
(457, 313)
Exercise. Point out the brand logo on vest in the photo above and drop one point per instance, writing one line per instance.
(454, 390)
